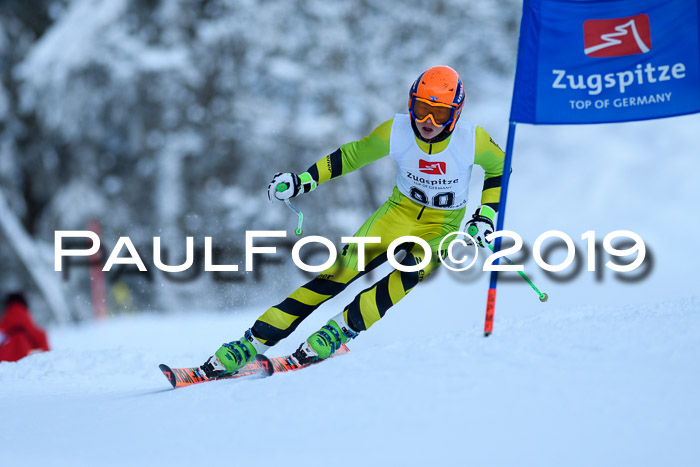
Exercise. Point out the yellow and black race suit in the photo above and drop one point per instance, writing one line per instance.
(401, 215)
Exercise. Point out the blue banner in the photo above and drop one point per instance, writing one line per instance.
(598, 61)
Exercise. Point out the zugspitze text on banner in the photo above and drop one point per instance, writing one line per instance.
(607, 61)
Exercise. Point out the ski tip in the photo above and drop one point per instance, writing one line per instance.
(265, 363)
(168, 374)
(487, 334)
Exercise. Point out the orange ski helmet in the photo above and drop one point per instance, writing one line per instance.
(438, 93)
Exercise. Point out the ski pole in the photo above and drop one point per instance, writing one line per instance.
(543, 296)
(282, 187)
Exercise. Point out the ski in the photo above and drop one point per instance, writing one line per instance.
(181, 377)
(261, 367)
(289, 363)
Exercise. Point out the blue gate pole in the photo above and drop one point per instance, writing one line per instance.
(491, 297)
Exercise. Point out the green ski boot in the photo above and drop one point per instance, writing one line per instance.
(324, 342)
(233, 356)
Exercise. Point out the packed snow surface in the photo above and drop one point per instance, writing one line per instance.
(552, 386)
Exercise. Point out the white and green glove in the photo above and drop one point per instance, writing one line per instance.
(288, 185)
(481, 225)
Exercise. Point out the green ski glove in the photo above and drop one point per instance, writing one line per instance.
(481, 225)
(292, 184)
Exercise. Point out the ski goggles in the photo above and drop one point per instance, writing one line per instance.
(440, 114)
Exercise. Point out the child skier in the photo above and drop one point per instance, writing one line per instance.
(435, 153)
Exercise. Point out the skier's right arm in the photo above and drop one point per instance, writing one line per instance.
(350, 156)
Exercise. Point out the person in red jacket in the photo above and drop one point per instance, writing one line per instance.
(19, 335)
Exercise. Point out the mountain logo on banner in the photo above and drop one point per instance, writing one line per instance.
(617, 37)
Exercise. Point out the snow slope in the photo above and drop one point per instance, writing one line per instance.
(579, 386)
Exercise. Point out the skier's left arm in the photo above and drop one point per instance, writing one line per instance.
(490, 157)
